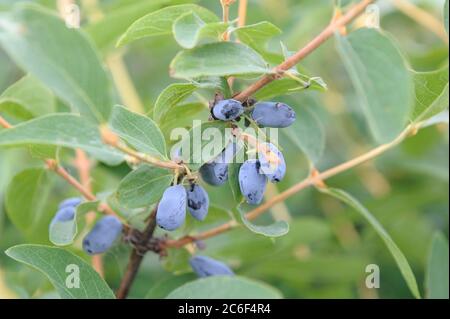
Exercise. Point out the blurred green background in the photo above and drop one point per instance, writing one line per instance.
(329, 245)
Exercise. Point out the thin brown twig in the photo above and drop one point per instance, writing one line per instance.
(242, 13)
(349, 16)
(83, 166)
(315, 179)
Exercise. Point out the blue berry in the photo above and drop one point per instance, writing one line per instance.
(273, 170)
(227, 110)
(205, 266)
(103, 235)
(198, 201)
(70, 202)
(273, 114)
(252, 182)
(64, 214)
(171, 211)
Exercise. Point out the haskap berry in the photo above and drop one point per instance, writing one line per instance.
(215, 172)
(273, 114)
(64, 214)
(227, 110)
(171, 212)
(272, 162)
(197, 201)
(103, 235)
(252, 182)
(205, 266)
(70, 202)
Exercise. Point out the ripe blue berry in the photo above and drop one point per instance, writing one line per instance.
(252, 182)
(198, 201)
(64, 214)
(171, 211)
(103, 235)
(274, 171)
(227, 110)
(70, 202)
(205, 266)
(273, 114)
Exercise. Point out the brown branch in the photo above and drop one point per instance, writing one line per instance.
(242, 13)
(351, 14)
(136, 258)
(315, 179)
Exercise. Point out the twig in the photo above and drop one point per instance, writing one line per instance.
(355, 11)
(312, 180)
(136, 258)
(242, 13)
(226, 16)
(83, 166)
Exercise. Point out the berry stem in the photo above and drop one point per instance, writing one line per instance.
(351, 14)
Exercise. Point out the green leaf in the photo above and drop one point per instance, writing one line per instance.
(204, 142)
(257, 35)
(437, 268)
(289, 86)
(26, 200)
(27, 98)
(399, 257)
(139, 131)
(183, 115)
(431, 89)
(170, 97)
(218, 59)
(62, 233)
(60, 266)
(307, 132)
(160, 22)
(61, 58)
(381, 78)
(189, 29)
(106, 32)
(277, 229)
(67, 130)
(143, 186)
(225, 287)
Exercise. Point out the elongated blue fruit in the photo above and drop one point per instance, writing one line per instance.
(252, 182)
(198, 201)
(171, 211)
(205, 266)
(227, 110)
(70, 202)
(103, 235)
(216, 172)
(272, 163)
(273, 114)
(64, 214)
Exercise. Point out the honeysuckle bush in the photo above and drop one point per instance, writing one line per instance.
(89, 114)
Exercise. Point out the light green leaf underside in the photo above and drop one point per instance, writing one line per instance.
(218, 59)
(58, 264)
(170, 97)
(399, 257)
(189, 29)
(27, 98)
(160, 22)
(437, 269)
(61, 58)
(277, 229)
(139, 131)
(143, 186)
(225, 287)
(382, 81)
(257, 35)
(66, 130)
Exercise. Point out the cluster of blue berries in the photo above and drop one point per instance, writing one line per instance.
(254, 173)
(101, 237)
